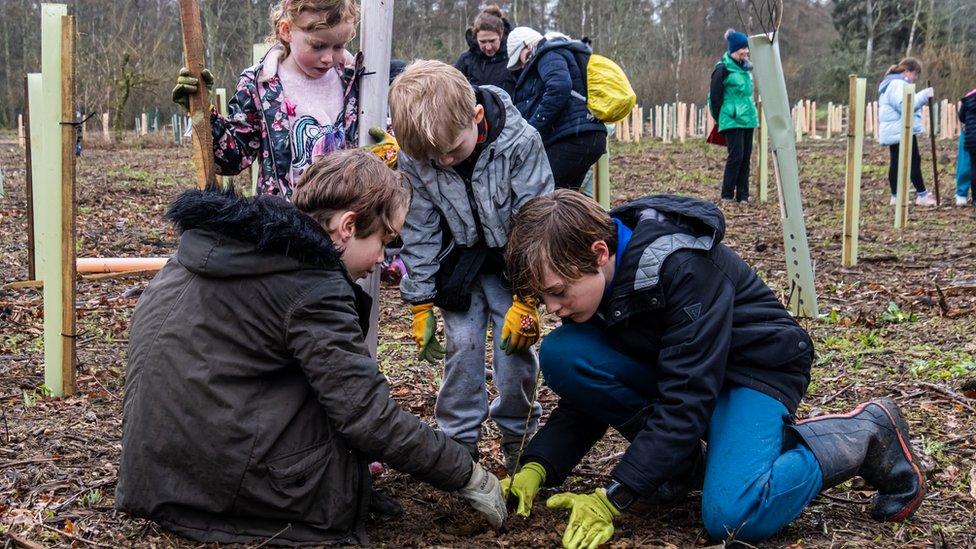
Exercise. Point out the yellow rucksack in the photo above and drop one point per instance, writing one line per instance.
(608, 93)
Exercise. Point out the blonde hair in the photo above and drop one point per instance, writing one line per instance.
(353, 180)
(331, 12)
(431, 102)
(557, 232)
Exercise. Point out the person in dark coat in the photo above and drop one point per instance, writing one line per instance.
(967, 115)
(252, 406)
(669, 337)
(485, 61)
(732, 108)
(551, 95)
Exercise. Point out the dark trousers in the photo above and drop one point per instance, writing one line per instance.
(916, 170)
(571, 157)
(735, 183)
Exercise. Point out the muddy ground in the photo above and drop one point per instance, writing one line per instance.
(58, 457)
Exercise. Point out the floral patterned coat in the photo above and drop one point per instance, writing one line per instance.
(257, 125)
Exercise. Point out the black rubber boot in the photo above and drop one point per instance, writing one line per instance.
(384, 505)
(871, 442)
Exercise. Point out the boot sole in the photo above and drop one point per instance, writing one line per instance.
(901, 429)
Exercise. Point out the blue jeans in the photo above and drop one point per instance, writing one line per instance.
(964, 170)
(754, 483)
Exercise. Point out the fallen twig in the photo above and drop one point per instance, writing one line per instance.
(267, 541)
(28, 462)
(949, 393)
(74, 537)
(23, 542)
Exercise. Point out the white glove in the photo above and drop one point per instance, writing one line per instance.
(925, 94)
(484, 493)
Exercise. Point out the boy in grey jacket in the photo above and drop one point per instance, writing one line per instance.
(471, 162)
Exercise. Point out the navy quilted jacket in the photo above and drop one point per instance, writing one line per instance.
(550, 92)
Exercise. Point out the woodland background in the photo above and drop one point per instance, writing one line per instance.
(130, 50)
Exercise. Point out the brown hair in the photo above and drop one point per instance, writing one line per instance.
(431, 102)
(490, 19)
(332, 12)
(556, 232)
(352, 180)
(907, 64)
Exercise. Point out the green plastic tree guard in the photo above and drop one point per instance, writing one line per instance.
(772, 88)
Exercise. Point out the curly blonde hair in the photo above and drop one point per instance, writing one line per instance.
(331, 12)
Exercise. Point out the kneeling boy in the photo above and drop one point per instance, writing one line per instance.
(670, 337)
(252, 405)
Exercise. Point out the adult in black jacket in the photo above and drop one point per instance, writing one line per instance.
(671, 338)
(967, 115)
(485, 61)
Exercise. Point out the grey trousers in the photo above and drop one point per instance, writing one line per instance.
(462, 401)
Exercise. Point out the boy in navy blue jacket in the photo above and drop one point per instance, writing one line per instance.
(671, 338)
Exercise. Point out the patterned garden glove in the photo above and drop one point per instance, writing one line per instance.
(186, 86)
(485, 495)
(386, 146)
(590, 521)
(425, 333)
(521, 328)
(524, 486)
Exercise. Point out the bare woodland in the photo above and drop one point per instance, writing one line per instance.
(129, 50)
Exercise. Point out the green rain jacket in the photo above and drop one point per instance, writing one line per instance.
(734, 108)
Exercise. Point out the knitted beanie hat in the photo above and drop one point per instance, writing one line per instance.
(737, 40)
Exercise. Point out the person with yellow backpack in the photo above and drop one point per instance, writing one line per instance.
(568, 95)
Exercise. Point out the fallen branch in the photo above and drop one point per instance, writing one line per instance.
(949, 394)
(74, 537)
(28, 462)
(27, 544)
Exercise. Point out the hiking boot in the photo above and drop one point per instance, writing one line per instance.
(893, 201)
(962, 200)
(927, 199)
(384, 505)
(871, 442)
(511, 444)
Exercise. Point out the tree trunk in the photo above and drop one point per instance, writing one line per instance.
(911, 34)
(870, 22)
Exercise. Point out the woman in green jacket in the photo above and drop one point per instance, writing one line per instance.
(730, 100)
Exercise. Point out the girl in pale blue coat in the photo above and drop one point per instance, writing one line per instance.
(889, 121)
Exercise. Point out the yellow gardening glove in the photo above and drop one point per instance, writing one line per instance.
(386, 146)
(590, 521)
(521, 328)
(524, 486)
(425, 333)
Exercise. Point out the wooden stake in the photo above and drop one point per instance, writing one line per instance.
(904, 156)
(813, 119)
(20, 129)
(830, 120)
(68, 315)
(852, 187)
(106, 136)
(143, 125)
(29, 184)
(625, 129)
(203, 156)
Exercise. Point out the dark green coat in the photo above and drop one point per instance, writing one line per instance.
(251, 402)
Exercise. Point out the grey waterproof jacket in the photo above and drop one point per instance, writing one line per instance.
(511, 170)
(252, 406)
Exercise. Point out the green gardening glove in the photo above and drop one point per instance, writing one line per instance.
(186, 85)
(524, 486)
(424, 331)
(590, 521)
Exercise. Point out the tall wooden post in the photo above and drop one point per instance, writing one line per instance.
(203, 156)
(772, 88)
(20, 130)
(68, 316)
(106, 135)
(904, 156)
(376, 32)
(852, 188)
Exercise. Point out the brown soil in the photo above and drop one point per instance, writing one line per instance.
(58, 457)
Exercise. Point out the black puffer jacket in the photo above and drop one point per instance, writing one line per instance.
(967, 115)
(482, 70)
(251, 401)
(693, 309)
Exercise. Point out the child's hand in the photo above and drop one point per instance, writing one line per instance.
(186, 86)
(386, 146)
(521, 328)
(425, 333)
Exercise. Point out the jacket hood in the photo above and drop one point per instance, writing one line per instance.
(224, 235)
(475, 49)
(499, 106)
(888, 79)
(552, 41)
(698, 216)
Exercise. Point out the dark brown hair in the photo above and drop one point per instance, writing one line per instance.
(907, 64)
(556, 231)
(490, 19)
(353, 180)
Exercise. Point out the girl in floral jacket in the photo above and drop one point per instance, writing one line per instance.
(298, 103)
